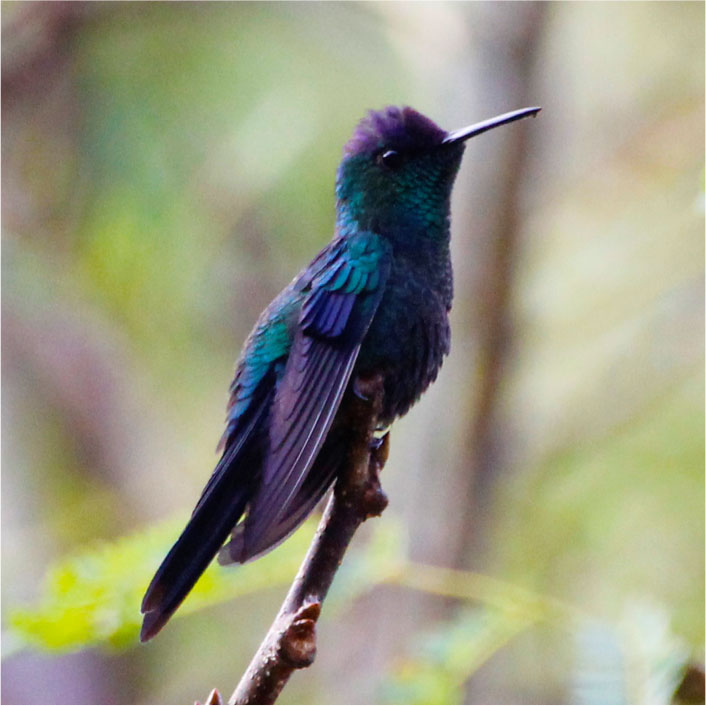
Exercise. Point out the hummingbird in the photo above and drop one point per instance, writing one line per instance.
(374, 302)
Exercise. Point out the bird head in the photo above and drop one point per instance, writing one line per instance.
(398, 169)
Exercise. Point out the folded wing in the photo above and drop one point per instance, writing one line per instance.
(334, 318)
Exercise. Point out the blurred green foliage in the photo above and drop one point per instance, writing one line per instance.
(444, 659)
(637, 660)
(614, 499)
(90, 598)
(168, 167)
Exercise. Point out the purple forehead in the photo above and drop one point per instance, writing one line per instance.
(393, 127)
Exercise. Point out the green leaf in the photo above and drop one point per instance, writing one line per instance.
(93, 597)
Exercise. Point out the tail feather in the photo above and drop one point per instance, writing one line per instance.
(319, 480)
(187, 560)
(221, 505)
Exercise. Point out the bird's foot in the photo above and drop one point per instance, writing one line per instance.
(379, 437)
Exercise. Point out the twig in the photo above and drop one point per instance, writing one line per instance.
(213, 699)
(291, 640)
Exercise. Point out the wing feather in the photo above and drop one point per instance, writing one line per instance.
(333, 321)
(318, 481)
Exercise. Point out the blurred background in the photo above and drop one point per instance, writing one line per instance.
(166, 170)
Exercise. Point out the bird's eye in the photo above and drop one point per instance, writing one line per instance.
(390, 158)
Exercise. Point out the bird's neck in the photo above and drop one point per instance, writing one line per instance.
(415, 235)
(418, 246)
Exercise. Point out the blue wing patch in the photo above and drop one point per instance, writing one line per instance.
(339, 306)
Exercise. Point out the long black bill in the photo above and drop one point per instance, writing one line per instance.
(473, 130)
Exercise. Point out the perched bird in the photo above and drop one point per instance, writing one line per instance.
(374, 301)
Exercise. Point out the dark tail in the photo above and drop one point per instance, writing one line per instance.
(222, 503)
(188, 559)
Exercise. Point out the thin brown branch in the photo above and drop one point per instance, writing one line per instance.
(291, 640)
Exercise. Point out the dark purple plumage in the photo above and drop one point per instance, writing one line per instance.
(394, 128)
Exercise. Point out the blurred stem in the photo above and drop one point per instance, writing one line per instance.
(493, 292)
(468, 585)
